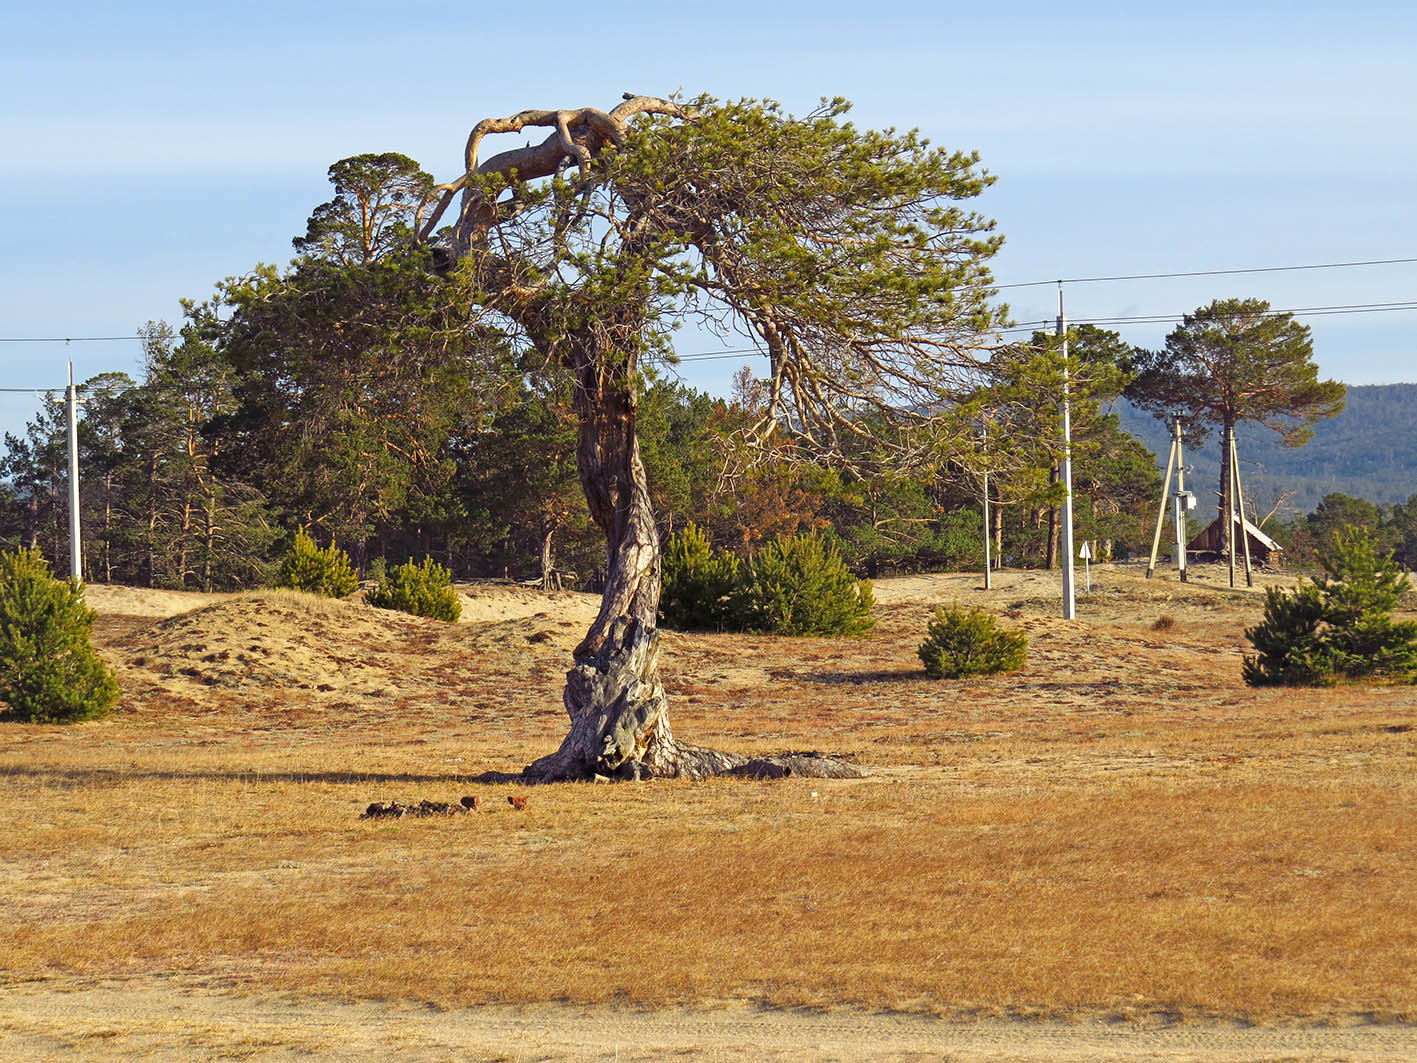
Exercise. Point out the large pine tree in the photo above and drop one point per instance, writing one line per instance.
(1231, 361)
(845, 254)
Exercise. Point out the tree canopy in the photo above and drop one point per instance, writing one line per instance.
(845, 255)
(1231, 361)
(1237, 360)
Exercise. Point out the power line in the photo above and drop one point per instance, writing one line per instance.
(67, 339)
(1161, 319)
(997, 287)
(1023, 327)
(1209, 272)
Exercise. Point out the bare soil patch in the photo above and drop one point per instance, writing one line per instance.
(1121, 837)
(179, 1022)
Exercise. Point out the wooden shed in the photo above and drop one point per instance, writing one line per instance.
(1207, 546)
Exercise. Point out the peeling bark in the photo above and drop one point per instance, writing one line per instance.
(618, 709)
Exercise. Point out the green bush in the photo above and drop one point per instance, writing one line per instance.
(307, 567)
(799, 585)
(49, 672)
(963, 642)
(1339, 626)
(423, 590)
(700, 587)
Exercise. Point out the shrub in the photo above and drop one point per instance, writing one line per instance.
(799, 585)
(49, 672)
(963, 642)
(377, 570)
(700, 586)
(1339, 626)
(306, 567)
(423, 590)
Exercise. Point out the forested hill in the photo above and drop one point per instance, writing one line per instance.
(1368, 451)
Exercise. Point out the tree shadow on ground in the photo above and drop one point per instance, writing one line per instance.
(60, 776)
(859, 678)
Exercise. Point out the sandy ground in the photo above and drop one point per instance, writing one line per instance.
(480, 603)
(162, 1022)
(213, 649)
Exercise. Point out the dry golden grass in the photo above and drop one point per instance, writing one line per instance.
(1122, 828)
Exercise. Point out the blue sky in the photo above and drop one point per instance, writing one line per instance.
(152, 149)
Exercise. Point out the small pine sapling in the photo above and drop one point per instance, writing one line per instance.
(965, 642)
(307, 567)
(49, 672)
(799, 585)
(1339, 626)
(423, 590)
(699, 584)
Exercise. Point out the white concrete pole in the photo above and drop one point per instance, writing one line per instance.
(988, 534)
(1066, 546)
(1180, 503)
(76, 552)
(988, 530)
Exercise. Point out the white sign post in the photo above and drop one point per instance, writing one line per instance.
(1086, 554)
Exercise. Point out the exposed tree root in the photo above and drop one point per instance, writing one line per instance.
(693, 763)
(620, 726)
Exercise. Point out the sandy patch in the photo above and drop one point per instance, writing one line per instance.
(157, 1022)
(487, 604)
(144, 601)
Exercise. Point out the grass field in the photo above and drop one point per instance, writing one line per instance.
(1121, 830)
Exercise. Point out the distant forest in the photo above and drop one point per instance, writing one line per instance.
(1368, 451)
(179, 492)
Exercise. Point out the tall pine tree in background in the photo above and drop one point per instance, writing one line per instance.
(1232, 361)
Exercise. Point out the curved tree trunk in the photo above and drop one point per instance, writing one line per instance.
(617, 705)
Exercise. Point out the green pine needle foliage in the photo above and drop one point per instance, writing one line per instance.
(965, 642)
(796, 585)
(307, 567)
(700, 586)
(799, 585)
(49, 672)
(1339, 626)
(423, 590)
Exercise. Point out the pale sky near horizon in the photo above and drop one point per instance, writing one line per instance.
(152, 149)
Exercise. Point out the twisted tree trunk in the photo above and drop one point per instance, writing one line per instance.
(617, 705)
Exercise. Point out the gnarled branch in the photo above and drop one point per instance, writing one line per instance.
(578, 136)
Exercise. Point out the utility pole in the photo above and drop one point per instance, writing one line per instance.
(1182, 502)
(1161, 513)
(1185, 502)
(988, 534)
(988, 531)
(1066, 546)
(1237, 496)
(76, 553)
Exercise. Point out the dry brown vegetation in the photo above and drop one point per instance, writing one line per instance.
(1122, 829)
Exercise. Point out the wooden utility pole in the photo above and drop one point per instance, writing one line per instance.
(1237, 496)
